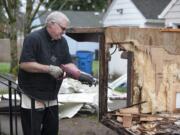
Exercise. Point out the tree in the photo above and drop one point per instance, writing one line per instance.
(12, 9)
(32, 9)
(3, 22)
(82, 5)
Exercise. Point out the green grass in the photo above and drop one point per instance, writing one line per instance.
(121, 89)
(95, 68)
(4, 67)
(3, 91)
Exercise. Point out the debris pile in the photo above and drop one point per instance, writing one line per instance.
(146, 124)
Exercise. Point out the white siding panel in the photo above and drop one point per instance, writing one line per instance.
(173, 15)
(130, 15)
(126, 16)
(124, 5)
(123, 23)
(117, 65)
(171, 21)
(125, 11)
(175, 8)
(178, 2)
(174, 12)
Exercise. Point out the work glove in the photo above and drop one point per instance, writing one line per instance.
(55, 71)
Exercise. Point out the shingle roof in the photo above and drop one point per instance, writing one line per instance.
(81, 18)
(151, 8)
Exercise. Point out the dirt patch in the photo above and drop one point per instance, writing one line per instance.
(84, 125)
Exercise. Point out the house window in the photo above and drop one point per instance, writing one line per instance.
(120, 11)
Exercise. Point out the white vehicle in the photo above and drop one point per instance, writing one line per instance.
(120, 82)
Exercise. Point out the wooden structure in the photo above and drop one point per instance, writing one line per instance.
(153, 70)
(153, 74)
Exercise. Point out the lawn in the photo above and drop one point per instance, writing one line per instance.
(95, 68)
(4, 67)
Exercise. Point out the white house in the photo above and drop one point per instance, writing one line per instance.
(133, 13)
(138, 13)
(171, 14)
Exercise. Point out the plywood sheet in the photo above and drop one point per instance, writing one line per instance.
(170, 41)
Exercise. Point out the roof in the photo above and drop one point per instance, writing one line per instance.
(168, 7)
(151, 8)
(81, 18)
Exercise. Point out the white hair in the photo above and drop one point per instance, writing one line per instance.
(57, 17)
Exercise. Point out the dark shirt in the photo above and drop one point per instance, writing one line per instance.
(39, 47)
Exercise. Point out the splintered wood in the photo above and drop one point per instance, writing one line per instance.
(148, 124)
(156, 77)
(155, 80)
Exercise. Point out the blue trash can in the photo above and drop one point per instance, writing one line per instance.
(84, 61)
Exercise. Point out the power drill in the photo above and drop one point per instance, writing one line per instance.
(73, 72)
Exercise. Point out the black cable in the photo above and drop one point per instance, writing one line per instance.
(114, 50)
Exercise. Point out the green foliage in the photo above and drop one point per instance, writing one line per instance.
(3, 22)
(3, 91)
(4, 67)
(95, 68)
(15, 70)
(82, 5)
(121, 89)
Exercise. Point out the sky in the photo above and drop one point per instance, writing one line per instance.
(23, 7)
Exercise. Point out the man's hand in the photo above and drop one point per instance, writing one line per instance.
(55, 71)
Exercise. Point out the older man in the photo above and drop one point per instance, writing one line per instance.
(42, 54)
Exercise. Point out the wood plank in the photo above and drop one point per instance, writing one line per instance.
(127, 121)
(119, 119)
(150, 118)
(131, 110)
(169, 30)
(145, 36)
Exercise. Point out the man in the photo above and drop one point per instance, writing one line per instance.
(40, 75)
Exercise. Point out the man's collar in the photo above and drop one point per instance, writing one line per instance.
(47, 34)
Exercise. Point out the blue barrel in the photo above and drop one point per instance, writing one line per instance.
(84, 61)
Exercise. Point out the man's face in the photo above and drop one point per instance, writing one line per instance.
(58, 29)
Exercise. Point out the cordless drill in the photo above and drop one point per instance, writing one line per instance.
(73, 72)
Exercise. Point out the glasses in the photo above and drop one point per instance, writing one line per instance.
(63, 28)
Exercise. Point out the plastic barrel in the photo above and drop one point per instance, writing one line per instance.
(84, 61)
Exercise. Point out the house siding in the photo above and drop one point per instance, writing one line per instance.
(173, 15)
(130, 16)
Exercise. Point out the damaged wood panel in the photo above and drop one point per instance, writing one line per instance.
(130, 121)
(130, 82)
(156, 70)
(156, 73)
(171, 42)
(145, 36)
(155, 78)
(147, 124)
(115, 126)
(103, 77)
